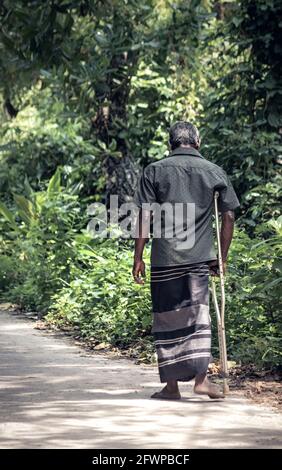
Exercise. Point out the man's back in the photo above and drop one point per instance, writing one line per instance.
(187, 178)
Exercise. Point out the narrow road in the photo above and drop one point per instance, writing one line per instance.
(55, 395)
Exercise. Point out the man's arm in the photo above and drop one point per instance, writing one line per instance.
(226, 235)
(141, 237)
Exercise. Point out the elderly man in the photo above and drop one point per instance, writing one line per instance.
(182, 256)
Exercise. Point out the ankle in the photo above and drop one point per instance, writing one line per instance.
(200, 379)
(172, 387)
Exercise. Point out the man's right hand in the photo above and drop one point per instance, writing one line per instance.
(138, 271)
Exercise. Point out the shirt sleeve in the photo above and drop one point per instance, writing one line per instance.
(146, 191)
(227, 200)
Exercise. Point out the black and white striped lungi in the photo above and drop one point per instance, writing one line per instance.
(181, 320)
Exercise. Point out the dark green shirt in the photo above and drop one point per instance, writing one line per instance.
(185, 176)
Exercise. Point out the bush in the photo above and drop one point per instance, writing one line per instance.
(253, 305)
(102, 298)
(39, 243)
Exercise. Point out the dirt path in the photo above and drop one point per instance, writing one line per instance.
(53, 395)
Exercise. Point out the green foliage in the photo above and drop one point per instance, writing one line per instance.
(253, 320)
(8, 273)
(43, 136)
(40, 244)
(241, 124)
(101, 298)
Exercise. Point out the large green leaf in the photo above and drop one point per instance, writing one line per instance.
(9, 216)
(54, 185)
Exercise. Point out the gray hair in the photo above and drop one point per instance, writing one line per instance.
(183, 133)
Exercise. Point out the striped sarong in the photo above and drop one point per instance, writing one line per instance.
(181, 320)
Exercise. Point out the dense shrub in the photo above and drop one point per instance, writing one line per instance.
(102, 298)
(38, 247)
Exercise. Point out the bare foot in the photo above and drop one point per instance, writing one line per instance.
(167, 395)
(210, 389)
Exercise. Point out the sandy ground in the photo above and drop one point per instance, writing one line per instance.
(55, 395)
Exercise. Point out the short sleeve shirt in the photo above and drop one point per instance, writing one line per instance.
(184, 183)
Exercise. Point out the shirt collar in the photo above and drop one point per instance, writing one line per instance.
(186, 151)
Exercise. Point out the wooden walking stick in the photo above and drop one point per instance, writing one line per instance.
(220, 311)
